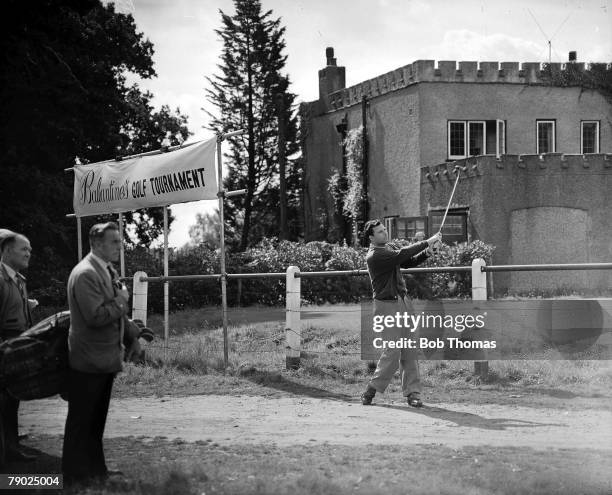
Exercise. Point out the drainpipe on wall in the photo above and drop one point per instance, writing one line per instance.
(366, 202)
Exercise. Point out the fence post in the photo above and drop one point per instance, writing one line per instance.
(139, 297)
(293, 326)
(479, 293)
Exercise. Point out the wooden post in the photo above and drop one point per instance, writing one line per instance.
(166, 286)
(479, 293)
(293, 326)
(80, 238)
(220, 195)
(139, 297)
(122, 255)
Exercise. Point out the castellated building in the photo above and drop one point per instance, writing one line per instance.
(536, 170)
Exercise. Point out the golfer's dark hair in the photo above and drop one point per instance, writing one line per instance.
(368, 229)
(96, 233)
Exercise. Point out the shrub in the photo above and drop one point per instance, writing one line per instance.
(274, 256)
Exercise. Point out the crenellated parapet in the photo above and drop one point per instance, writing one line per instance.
(444, 71)
(549, 163)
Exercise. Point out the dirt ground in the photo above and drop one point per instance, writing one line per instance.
(286, 421)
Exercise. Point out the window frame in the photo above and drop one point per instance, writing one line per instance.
(448, 133)
(500, 137)
(483, 125)
(554, 135)
(597, 127)
(463, 212)
(393, 229)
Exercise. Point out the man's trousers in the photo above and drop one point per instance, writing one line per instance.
(88, 400)
(391, 359)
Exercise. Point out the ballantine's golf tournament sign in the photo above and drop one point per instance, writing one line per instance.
(180, 176)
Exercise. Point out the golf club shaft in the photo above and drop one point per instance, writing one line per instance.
(449, 201)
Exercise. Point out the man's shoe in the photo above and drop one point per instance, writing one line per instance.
(367, 396)
(414, 400)
(15, 455)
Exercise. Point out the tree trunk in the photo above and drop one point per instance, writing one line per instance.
(282, 163)
(248, 202)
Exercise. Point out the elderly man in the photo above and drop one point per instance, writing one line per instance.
(389, 291)
(15, 318)
(98, 306)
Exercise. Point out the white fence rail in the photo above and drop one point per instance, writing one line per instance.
(293, 276)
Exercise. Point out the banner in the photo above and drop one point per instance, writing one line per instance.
(186, 174)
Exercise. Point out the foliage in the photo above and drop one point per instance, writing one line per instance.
(347, 190)
(598, 77)
(353, 201)
(244, 95)
(64, 93)
(274, 256)
(205, 230)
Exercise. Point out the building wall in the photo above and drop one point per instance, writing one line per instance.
(408, 111)
(519, 105)
(394, 149)
(550, 209)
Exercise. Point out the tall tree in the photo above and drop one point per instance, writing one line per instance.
(64, 93)
(205, 230)
(244, 94)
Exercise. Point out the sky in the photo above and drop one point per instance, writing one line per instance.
(370, 37)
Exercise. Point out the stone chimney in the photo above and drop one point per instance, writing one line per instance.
(331, 78)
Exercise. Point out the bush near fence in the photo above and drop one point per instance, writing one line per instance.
(272, 255)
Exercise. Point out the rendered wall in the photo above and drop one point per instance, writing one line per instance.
(534, 210)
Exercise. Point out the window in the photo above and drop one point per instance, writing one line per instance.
(455, 225)
(545, 130)
(475, 137)
(391, 227)
(456, 139)
(589, 136)
(405, 227)
(500, 141)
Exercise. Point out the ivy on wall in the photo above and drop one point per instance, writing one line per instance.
(347, 190)
(354, 197)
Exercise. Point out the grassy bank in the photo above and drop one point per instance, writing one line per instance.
(331, 362)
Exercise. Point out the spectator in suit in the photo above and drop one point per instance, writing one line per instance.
(15, 318)
(98, 305)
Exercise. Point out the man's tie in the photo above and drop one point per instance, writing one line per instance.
(24, 300)
(113, 277)
(116, 286)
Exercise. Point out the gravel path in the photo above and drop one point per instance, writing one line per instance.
(297, 420)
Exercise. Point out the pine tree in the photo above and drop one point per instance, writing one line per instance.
(245, 94)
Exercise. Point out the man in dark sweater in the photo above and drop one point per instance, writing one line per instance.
(389, 291)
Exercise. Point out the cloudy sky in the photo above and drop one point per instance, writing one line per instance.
(370, 37)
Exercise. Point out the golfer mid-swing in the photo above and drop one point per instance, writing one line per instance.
(389, 291)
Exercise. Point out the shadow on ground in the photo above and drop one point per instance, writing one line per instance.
(278, 382)
(470, 420)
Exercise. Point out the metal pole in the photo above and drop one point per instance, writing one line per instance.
(122, 255)
(222, 250)
(79, 239)
(166, 287)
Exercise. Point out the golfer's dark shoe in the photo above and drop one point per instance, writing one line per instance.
(367, 396)
(414, 400)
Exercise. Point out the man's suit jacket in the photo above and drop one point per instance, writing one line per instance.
(95, 340)
(14, 318)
